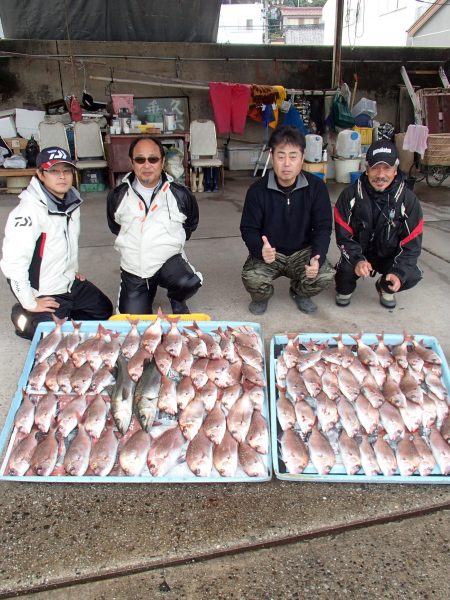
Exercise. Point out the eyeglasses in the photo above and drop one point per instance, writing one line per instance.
(140, 160)
(59, 172)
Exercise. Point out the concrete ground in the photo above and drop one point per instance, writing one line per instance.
(272, 540)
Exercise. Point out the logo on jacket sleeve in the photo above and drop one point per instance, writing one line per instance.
(23, 222)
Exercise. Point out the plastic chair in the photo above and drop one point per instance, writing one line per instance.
(89, 151)
(53, 134)
(203, 146)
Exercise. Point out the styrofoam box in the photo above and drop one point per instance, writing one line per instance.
(180, 473)
(338, 473)
(245, 157)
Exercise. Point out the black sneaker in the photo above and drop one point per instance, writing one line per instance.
(305, 305)
(343, 299)
(258, 308)
(179, 308)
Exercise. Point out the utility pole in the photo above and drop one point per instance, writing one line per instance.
(336, 76)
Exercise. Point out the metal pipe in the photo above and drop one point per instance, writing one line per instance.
(337, 48)
(160, 83)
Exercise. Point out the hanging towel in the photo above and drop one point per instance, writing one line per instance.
(416, 139)
(230, 104)
(293, 118)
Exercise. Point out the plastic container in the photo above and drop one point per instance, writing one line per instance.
(366, 134)
(122, 101)
(369, 107)
(313, 150)
(345, 166)
(355, 175)
(348, 144)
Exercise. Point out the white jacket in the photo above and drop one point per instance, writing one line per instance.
(40, 248)
(147, 239)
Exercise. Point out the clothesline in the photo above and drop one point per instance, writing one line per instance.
(290, 92)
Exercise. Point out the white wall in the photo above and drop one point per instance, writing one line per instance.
(233, 24)
(379, 23)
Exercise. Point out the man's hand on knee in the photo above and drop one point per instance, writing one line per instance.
(45, 304)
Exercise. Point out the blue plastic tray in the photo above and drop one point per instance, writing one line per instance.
(8, 431)
(338, 473)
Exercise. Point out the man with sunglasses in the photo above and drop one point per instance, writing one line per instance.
(40, 250)
(152, 217)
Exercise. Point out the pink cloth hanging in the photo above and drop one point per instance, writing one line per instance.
(415, 139)
(230, 103)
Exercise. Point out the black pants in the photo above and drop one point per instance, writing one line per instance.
(136, 294)
(85, 302)
(346, 278)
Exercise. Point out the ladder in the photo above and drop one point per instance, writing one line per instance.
(418, 116)
(261, 162)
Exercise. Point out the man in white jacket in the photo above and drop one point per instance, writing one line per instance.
(152, 217)
(40, 250)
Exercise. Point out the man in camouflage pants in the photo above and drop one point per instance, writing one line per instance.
(286, 225)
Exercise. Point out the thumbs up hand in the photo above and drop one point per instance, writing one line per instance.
(268, 253)
(312, 269)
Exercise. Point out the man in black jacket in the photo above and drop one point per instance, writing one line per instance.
(286, 226)
(379, 226)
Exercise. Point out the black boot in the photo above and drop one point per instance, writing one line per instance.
(215, 179)
(179, 308)
(207, 181)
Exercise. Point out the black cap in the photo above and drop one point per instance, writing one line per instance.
(382, 151)
(52, 156)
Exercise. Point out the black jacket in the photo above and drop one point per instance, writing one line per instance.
(186, 202)
(385, 224)
(291, 221)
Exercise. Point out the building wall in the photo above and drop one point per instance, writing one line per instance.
(378, 23)
(435, 32)
(233, 24)
(27, 82)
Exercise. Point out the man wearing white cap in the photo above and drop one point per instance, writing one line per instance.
(379, 225)
(40, 250)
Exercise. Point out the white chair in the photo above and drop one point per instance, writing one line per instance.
(203, 146)
(89, 151)
(53, 134)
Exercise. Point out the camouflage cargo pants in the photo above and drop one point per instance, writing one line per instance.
(257, 276)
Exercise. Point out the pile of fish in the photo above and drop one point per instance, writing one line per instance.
(162, 402)
(368, 409)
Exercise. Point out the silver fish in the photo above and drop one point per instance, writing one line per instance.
(103, 455)
(76, 459)
(251, 461)
(408, 459)
(20, 459)
(49, 343)
(95, 417)
(122, 397)
(130, 344)
(349, 453)
(199, 454)
(258, 433)
(225, 455)
(321, 452)
(165, 451)
(133, 454)
(24, 419)
(215, 424)
(146, 393)
(385, 456)
(368, 459)
(294, 452)
(427, 462)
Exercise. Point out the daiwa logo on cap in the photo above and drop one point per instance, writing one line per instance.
(378, 150)
(59, 153)
(51, 156)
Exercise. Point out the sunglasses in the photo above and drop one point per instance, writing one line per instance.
(140, 160)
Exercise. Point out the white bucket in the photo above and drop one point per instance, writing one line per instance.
(348, 144)
(345, 166)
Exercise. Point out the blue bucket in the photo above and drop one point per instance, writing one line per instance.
(355, 175)
(317, 174)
